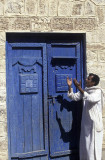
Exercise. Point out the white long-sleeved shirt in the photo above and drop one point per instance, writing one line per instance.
(93, 103)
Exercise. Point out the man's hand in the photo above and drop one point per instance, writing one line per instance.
(76, 83)
(69, 82)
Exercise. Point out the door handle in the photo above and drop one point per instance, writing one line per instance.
(53, 98)
(59, 97)
(50, 97)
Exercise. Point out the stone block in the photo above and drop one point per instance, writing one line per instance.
(92, 37)
(64, 8)
(92, 55)
(3, 144)
(100, 14)
(104, 136)
(19, 23)
(2, 81)
(99, 2)
(3, 114)
(103, 113)
(1, 7)
(102, 83)
(4, 155)
(42, 7)
(95, 46)
(101, 33)
(101, 55)
(80, 0)
(14, 7)
(84, 24)
(53, 7)
(2, 66)
(2, 52)
(66, 1)
(3, 129)
(2, 96)
(4, 24)
(2, 42)
(96, 67)
(89, 8)
(78, 8)
(40, 24)
(31, 7)
(62, 24)
(103, 145)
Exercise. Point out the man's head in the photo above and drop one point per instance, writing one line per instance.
(92, 80)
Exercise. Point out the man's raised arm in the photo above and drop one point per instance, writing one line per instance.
(78, 85)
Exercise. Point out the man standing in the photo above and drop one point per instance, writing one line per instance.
(91, 124)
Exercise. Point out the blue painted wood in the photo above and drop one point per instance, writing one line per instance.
(64, 57)
(27, 119)
(30, 155)
(18, 110)
(37, 158)
(28, 107)
(63, 61)
(27, 123)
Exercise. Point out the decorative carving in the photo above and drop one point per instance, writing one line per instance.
(84, 23)
(28, 83)
(63, 67)
(19, 23)
(61, 82)
(27, 61)
(39, 23)
(26, 64)
(62, 23)
(23, 69)
(15, 7)
(77, 9)
(31, 6)
(89, 8)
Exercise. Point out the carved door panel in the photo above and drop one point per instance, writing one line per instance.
(63, 61)
(27, 101)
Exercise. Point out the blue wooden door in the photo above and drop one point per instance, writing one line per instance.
(27, 101)
(42, 121)
(63, 60)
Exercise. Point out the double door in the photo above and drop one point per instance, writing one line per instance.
(43, 123)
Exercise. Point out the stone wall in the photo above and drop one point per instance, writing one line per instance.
(72, 16)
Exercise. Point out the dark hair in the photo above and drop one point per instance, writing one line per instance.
(95, 78)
